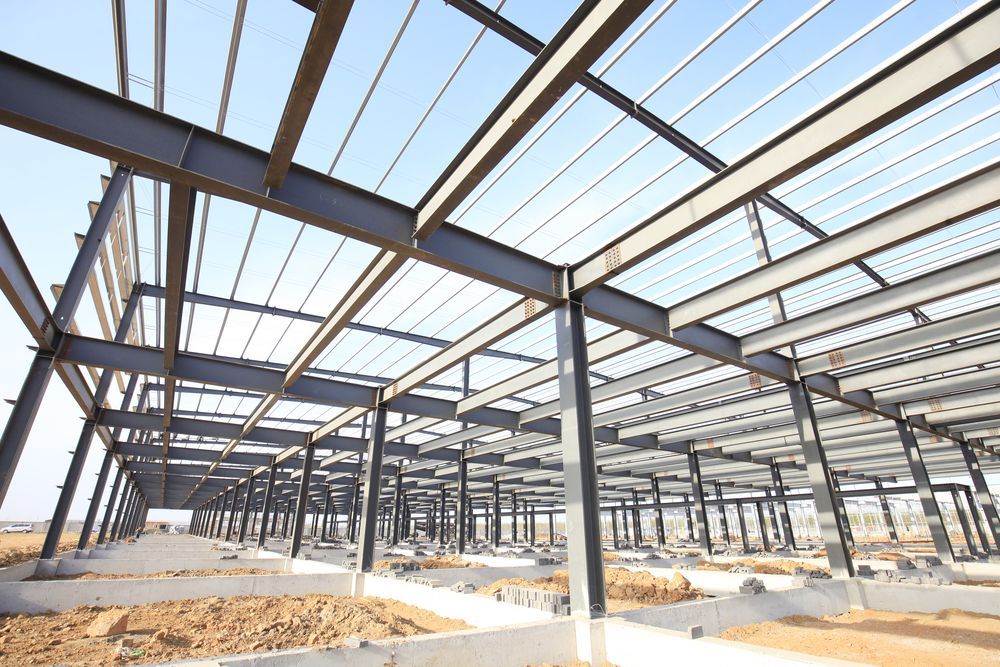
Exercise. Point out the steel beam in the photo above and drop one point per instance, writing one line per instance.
(956, 52)
(593, 28)
(328, 24)
(56, 107)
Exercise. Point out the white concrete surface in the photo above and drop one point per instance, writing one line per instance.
(718, 614)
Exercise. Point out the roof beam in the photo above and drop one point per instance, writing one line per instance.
(961, 198)
(328, 24)
(72, 113)
(962, 49)
(594, 27)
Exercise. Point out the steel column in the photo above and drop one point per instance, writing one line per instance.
(58, 522)
(980, 530)
(983, 494)
(460, 522)
(302, 506)
(821, 481)
(373, 488)
(661, 535)
(887, 515)
(95, 499)
(698, 496)
(266, 510)
(496, 512)
(763, 526)
(723, 518)
(583, 528)
(963, 519)
(245, 513)
(932, 511)
(22, 416)
(741, 517)
(786, 522)
(233, 507)
(109, 511)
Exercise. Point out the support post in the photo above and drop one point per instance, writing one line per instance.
(932, 511)
(302, 506)
(636, 524)
(698, 495)
(373, 488)
(983, 494)
(963, 519)
(980, 530)
(496, 512)
(763, 526)
(887, 515)
(265, 510)
(786, 522)
(741, 517)
(583, 529)
(460, 521)
(109, 510)
(837, 551)
(233, 506)
(661, 535)
(245, 513)
(397, 511)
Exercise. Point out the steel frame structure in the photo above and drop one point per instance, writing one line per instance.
(748, 414)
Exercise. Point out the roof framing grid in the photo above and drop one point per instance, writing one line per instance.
(940, 377)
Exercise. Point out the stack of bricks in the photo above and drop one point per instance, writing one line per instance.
(549, 601)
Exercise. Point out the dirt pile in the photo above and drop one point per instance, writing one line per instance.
(625, 589)
(166, 574)
(180, 629)
(20, 548)
(770, 566)
(609, 556)
(386, 563)
(988, 583)
(950, 637)
(446, 562)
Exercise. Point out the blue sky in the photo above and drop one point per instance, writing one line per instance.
(44, 188)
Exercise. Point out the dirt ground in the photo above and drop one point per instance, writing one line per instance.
(446, 562)
(951, 638)
(625, 589)
(770, 566)
(21, 547)
(166, 574)
(429, 563)
(989, 583)
(175, 630)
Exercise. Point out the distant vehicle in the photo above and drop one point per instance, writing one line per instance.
(18, 528)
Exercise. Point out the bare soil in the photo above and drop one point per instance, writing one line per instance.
(429, 563)
(775, 566)
(625, 589)
(446, 562)
(166, 574)
(180, 629)
(16, 548)
(951, 638)
(988, 583)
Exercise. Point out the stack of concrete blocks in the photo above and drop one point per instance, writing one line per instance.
(928, 561)
(814, 573)
(893, 576)
(752, 586)
(463, 587)
(548, 601)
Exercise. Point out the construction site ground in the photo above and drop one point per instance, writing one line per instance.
(626, 590)
(182, 629)
(951, 638)
(18, 548)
